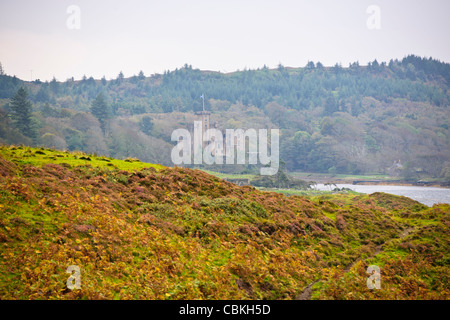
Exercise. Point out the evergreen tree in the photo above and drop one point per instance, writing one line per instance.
(42, 95)
(310, 65)
(21, 113)
(146, 125)
(54, 86)
(331, 105)
(2, 72)
(100, 110)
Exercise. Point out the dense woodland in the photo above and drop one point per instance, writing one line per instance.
(355, 119)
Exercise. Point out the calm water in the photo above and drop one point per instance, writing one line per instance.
(425, 195)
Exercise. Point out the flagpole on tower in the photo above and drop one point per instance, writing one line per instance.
(203, 98)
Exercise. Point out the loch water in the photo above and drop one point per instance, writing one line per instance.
(426, 195)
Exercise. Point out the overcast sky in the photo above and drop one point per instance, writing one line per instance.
(107, 37)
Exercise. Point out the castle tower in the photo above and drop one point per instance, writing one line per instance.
(206, 125)
(204, 116)
(205, 120)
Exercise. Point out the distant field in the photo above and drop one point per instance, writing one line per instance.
(309, 192)
(305, 193)
(307, 176)
(333, 177)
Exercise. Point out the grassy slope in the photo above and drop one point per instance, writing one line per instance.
(141, 231)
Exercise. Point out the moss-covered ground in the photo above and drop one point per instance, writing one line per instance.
(143, 231)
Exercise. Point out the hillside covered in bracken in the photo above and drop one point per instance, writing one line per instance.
(143, 231)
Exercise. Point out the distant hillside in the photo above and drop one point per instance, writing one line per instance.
(357, 119)
(140, 231)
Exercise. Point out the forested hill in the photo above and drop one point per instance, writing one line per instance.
(357, 119)
(332, 88)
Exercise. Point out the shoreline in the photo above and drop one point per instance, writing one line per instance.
(361, 181)
(403, 183)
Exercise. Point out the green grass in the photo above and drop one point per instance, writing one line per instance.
(42, 156)
(330, 215)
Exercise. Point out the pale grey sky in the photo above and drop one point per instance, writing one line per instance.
(225, 36)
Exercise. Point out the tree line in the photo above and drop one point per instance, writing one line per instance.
(358, 119)
(334, 88)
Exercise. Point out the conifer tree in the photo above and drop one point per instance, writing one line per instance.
(21, 115)
(146, 125)
(100, 110)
